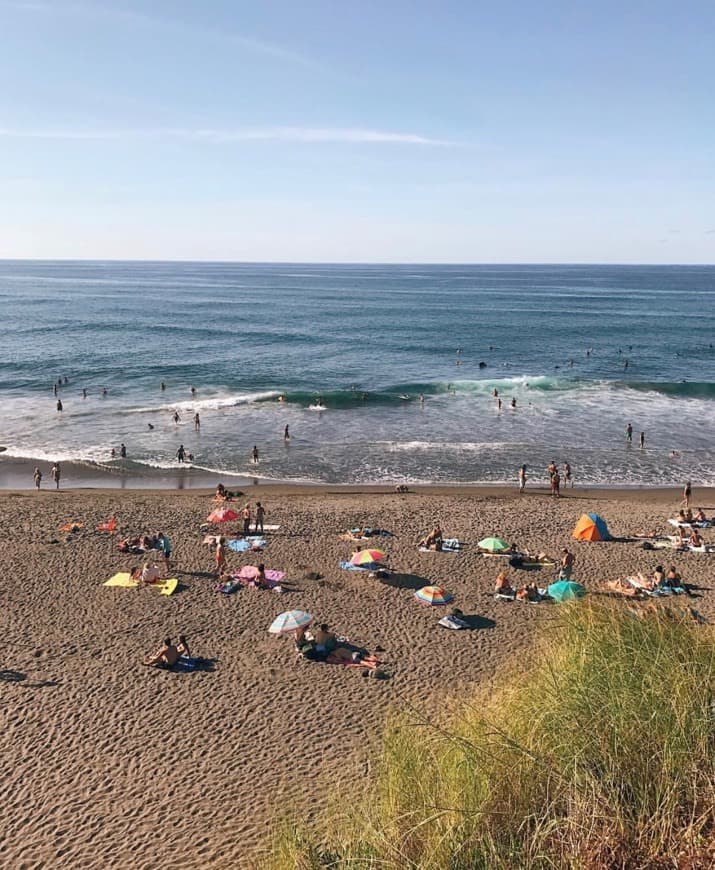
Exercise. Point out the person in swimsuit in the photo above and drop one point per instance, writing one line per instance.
(522, 479)
(567, 563)
(246, 517)
(260, 514)
(37, 477)
(197, 421)
(687, 492)
(220, 555)
(56, 473)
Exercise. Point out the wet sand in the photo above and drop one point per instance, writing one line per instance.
(106, 763)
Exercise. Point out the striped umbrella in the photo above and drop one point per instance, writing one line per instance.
(367, 557)
(222, 515)
(290, 621)
(433, 595)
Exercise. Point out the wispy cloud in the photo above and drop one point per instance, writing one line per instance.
(218, 136)
(709, 232)
(143, 19)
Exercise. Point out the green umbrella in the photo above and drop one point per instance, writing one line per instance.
(566, 590)
(493, 545)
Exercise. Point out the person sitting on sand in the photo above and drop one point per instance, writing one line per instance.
(503, 586)
(168, 654)
(700, 516)
(530, 592)
(150, 574)
(673, 578)
(695, 539)
(658, 577)
(433, 541)
(681, 516)
(324, 639)
(220, 493)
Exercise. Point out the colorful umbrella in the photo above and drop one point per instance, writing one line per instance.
(591, 527)
(493, 545)
(367, 557)
(290, 621)
(222, 515)
(566, 590)
(433, 595)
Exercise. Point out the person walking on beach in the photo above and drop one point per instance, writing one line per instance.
(642, 440)
(37, 477)
(55, 472)
(181, 453)
(555, 484)
(286, 434)
(522, 479)
(246, 517)
(260, 514)
(567, 475)
(197, 421)
(254, 454)
(629, 433)
(687, 492)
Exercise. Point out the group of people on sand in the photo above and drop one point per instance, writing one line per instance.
(554, 478)
(146, 542)
(687, 516)
(530, 591)
(321, 644)
(148, 574)
(660, 581)
(55, 474)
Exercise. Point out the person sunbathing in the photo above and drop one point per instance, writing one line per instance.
(503, 586)
(700, 516)
(150, 574)
(673, 578)
(623, 587)
(220, 493)
(688, 516)
(346, 655)
(324, 639)
(681, 516)
(168, 654)
(529, 592)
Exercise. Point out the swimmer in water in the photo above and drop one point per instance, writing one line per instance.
(150, 426)
(163, 386)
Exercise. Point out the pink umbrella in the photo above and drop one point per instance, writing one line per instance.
(222, 515)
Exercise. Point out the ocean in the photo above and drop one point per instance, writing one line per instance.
(584, 350)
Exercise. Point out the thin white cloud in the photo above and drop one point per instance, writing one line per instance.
(142, 19)
(217, 136)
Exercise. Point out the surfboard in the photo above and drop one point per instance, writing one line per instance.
(167, 587)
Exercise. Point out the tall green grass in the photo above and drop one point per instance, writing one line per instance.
(598, 751)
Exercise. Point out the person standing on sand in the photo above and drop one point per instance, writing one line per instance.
(687, 492)
(642, 440)
(55, 472)
(567, 563)
(260, 514)
(522, 479)
(629, 433)
(555, 484)
(246, 517)
(37, 477)
(220, 555)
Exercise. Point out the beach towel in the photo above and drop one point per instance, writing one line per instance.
(250, 572)
(693, 524)
(71, 527)
(243, 545)
(453, 622)
(123, 579)
(348, 566)
(229, 587)
(109, 525)
(504, 597)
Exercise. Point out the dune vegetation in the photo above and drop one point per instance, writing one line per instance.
(598, 752)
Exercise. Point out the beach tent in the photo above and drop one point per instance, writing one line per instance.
(591, 527)
(566, 590)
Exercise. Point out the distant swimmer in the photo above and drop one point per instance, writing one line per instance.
(281, 399)
(59, 404)
(181, 453)
(197, 421)
(84, 394)
(570, 363)
(254, 455)
(459, 350)
(193, 391)
(104, 391)
(176, 417)
(513, 403)
(495, 392)
(482, 364)
(625, 365)
(629, 433)
(458, 362)
(163, 386)
(67, 380)
(422, 399)
(642, 439)
(498, 404)
(286, 434)
(150, 425)
(122, 451)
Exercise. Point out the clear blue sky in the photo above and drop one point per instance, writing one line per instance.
(378, 130)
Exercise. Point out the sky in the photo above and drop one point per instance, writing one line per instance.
(460, 131)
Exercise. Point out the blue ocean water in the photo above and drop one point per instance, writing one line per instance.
(584, 350)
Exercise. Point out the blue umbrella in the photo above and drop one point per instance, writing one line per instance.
(566, 590)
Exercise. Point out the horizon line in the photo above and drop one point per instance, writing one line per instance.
(339, 262)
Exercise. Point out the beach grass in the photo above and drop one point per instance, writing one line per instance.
(595, 751)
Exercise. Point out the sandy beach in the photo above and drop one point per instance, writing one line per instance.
(106, 763)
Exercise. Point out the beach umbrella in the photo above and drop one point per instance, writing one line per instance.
(493, 545)
(591, 527)
(367, 557)
(222, 515)
(433, 595)
(290, 621)
(566, 590)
